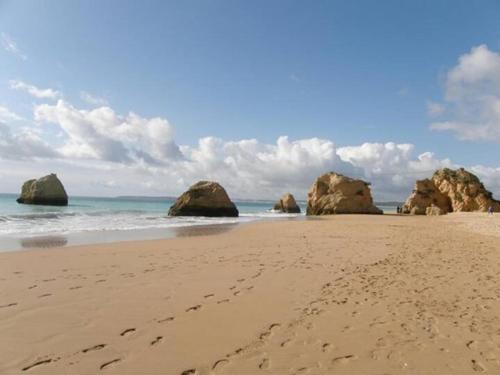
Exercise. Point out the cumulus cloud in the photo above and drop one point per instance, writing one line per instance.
(104, 135)
(391, 168)
(472, 92)
(7, 115)
(92, 99)
(10, 45)
(259, 169)
(134, 155)
(23, 145)
(34, 91)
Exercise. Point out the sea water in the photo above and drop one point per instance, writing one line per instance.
(107, 219)
(95, 220)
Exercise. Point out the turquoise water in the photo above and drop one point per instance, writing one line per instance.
(102, 214)
(90, 220)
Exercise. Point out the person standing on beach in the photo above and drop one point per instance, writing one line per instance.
(490, 210)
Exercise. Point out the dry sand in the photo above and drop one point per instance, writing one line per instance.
(343, 295)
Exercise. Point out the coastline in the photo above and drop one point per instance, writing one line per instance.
(348, 294)
(43, 242)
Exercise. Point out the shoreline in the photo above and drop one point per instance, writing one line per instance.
(17, 243)
(347, 294)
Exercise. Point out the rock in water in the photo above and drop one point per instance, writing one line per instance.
(287, 204)
(47, 190)
(450, 191)
(334, 193)
(205, 198)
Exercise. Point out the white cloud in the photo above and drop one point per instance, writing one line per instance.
(472, 91)
(101, 151)
(11, 46)
(34, 91)
(92, 99)
(256, 169)
(6, 115)
(104, 135)
(435, 109)
(391, 168)
(25, 144)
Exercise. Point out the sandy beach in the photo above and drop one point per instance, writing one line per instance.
(349, 294)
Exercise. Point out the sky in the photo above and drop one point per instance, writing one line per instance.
(146, 98)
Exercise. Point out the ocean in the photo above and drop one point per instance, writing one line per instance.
(99, 220)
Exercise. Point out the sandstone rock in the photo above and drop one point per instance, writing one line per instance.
(450, 191)
(205, 198)
(424, 195)
(334, 193)
(47, 190)
(287, 204)
(417, 210)
(433, 210)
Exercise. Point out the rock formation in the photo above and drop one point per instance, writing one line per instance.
(450, 191)
(334, 193)
(47, 190)
(205, 198)
(434, 210)
(287, 204)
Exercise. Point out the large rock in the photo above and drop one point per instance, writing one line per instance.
(450, 191)
(205, 198)
(423, 196)
(334, 193)
(434, 210)
(47, 190)
(287, 204)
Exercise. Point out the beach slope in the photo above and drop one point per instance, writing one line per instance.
(345, 295)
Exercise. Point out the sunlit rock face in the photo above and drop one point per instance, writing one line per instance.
(450, 191)
(333, 193)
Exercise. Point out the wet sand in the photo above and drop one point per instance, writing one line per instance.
(100, 237)
(344, 295)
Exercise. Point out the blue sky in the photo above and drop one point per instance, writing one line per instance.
(348, 72)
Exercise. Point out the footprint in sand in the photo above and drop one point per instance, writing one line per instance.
(95, 347)
(193, 308)
(109, 363)
(169, 319)
(191, 371)
(326, 347)
(157, 340)
(45, 295)
(269, 331)
(209, 295)
(471, 344)
(286, 343)
(223, 301)
(343, 359)
(264, 364)
(477, 366)
(127, 332)
(218, 364)
(8, 305)
(38, 363)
